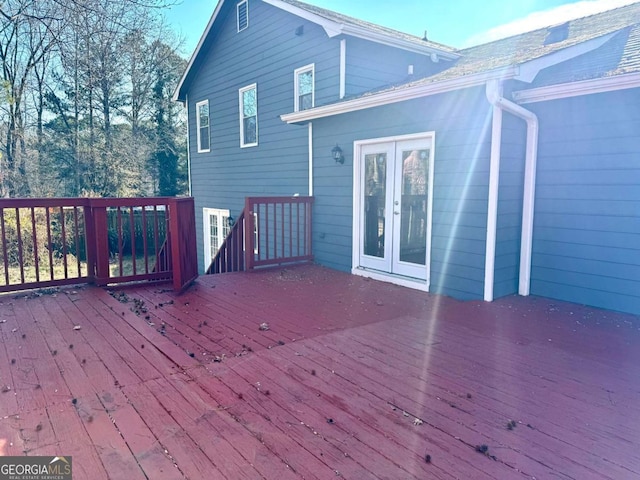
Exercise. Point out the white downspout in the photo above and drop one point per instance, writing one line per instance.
(343, 68)
(310, 153)
(494, 95)
(186, 102)
(492, 208)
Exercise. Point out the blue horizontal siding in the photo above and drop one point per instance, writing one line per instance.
(369, 67)
(232, 60)
(587, 219)
(461, 122)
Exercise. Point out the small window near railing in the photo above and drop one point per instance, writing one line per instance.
(243, 15)
(304, 87)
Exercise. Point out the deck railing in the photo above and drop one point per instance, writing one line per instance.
(59, 241)
(230, 256)
(269, 231)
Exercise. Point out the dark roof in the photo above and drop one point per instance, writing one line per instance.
(372, 27)
(619, 55)
(622, 52)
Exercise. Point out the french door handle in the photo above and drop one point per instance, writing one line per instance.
(396, 213)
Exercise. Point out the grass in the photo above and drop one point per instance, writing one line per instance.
(29, 272)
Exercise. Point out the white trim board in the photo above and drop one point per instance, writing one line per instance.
(334, 28)
(414, 283)
(575, 89)
(399, 95)
(356, 267)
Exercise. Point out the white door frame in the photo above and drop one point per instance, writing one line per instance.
(206, 230)
(359, 147)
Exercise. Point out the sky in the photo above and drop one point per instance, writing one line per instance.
(457, 23)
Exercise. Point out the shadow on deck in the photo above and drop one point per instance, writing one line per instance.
(353, 378)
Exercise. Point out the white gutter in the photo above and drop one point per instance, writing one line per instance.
(186, 103)
(575, 89)
(494, 183)
(399, 95)
(526, 242)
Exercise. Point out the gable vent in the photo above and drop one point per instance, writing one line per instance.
(557, 34)
(243, 15)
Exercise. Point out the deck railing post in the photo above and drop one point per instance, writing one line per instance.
(101, 243)
(183, 241)
(249, 228)
(172, 211)
(90, 242)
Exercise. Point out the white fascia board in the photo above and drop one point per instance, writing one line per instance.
(575, 89)
(194, 55)
(529, 70)
(394, 96)
(334, 29)
(331, 28)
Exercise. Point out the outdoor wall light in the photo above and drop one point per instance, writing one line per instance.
(336, 154)
(230, 221)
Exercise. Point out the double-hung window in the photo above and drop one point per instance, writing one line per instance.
(243, 15)
(248, 116)
(303, 87)
(202, 121)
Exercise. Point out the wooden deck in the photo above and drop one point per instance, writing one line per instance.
(353, 379)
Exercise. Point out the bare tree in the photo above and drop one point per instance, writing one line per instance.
(27, 35)
(77, 98)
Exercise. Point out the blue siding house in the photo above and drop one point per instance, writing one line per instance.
(507, 168)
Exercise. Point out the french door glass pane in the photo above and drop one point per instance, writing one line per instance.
(413, 221)
(213, 234)
(375, 173)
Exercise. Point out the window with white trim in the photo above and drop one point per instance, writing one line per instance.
(243, 15)
(215, 230)
(202, 121)
(304, 87)
(248, 99)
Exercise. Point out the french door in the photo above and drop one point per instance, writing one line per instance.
(394, 206)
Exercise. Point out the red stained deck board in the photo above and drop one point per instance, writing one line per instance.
(99, 377)
(72, 374)
(237, 398)
(73, 440)
(526, 382)
(579, 391)
(163, 358)
(376, 406)
(179, 327)
(111, 447)
(461, 421)
(531, 397)
(223, 439)
(463, 407)
(168, 349)
(35, 383)
(191, 461)
(351, 437)
(339, 397)
(230, 325)
(119, 337)
(143, 444)
(8, 400)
